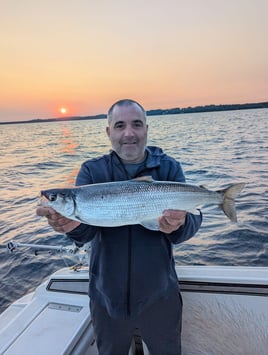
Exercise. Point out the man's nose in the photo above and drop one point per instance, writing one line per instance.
(128, 132)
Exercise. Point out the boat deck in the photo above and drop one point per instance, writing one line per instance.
(225, 312)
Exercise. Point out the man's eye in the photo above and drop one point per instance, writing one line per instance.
(138, 124)
(119, 125)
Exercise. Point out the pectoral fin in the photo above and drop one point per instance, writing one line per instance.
(151, 224)
(194, 210)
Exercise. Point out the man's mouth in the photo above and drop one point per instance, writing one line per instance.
(129, 143)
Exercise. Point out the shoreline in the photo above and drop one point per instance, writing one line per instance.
(154, 112)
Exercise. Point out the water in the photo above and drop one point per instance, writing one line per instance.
(215, 149)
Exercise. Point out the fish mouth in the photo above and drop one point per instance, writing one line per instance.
(43, 199)
(43, 193)
(55, 194)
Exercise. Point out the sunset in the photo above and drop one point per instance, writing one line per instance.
(63, 110)
(163, 54)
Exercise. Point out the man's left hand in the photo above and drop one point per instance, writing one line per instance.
(171, 220)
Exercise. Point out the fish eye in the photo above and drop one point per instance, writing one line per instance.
(52, 197)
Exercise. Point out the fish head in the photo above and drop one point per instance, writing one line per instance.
(61, 200)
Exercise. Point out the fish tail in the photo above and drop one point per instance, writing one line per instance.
(229, 195)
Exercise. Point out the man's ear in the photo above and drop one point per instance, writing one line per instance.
(108, 131)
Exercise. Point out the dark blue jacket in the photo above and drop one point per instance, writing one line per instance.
(130, 266)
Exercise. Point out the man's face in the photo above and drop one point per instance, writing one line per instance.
(127, 132)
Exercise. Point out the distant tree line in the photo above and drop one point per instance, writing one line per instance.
(207, 108)
(75, 118)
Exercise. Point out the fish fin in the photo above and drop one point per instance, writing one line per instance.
(144, 179)
(151, 224)
(203, 187)
(229, 195)
(194, 211)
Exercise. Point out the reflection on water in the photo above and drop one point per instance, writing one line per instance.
(215, 149)
(68, 144)
(69, 147)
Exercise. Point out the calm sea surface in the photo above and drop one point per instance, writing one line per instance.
(215, 149)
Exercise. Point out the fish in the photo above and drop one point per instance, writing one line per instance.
(137, 201)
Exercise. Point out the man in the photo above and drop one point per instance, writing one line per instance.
(133, 282)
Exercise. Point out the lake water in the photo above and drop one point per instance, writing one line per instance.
(215, 149)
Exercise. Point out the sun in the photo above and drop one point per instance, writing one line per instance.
(63, 110)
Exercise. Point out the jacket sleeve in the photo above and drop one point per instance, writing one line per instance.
(83, 233)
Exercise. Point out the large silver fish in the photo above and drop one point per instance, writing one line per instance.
(137, 201)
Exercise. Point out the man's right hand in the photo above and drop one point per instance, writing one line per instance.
(56, 221)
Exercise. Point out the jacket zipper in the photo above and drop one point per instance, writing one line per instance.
(129, 269)
(129, 246)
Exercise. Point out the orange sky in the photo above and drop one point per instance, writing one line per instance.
(84, 55)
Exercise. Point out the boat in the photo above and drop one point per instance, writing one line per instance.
(225, 312)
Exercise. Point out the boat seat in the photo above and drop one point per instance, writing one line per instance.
(45, 319)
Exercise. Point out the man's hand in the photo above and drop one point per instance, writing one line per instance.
(171, 220)
(56, 221)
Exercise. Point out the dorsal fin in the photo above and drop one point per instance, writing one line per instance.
(203, 187)
(144, 179)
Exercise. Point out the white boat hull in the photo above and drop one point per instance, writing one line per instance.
(225, 312)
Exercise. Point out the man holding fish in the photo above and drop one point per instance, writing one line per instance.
(133, 282)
